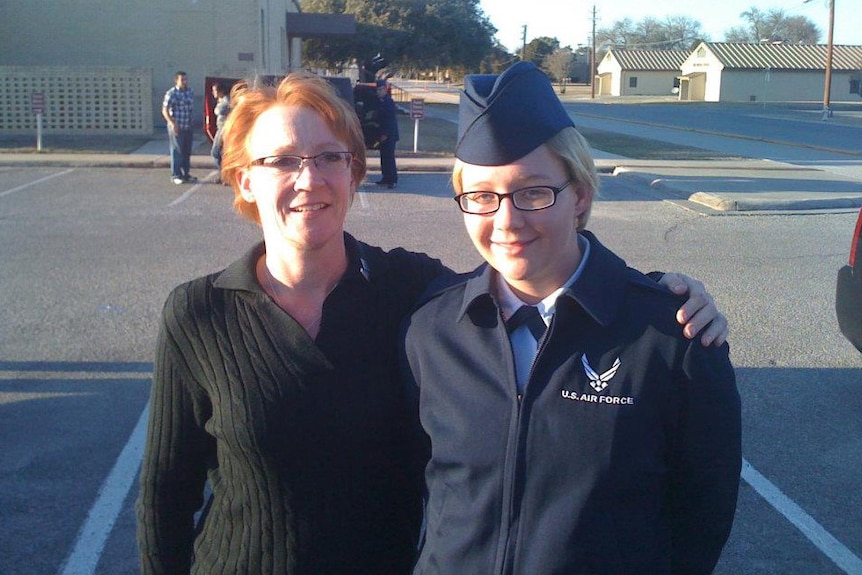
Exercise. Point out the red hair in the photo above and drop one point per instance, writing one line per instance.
(297, 89)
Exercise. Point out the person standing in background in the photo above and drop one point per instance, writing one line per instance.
(177, 110)
(388, 120)
(221, 110)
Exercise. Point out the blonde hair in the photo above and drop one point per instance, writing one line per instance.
(296, 89)
(574, 151)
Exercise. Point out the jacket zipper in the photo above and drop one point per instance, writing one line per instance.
(510, 537)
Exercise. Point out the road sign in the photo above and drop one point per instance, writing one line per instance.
(417, 108)
(37, 102)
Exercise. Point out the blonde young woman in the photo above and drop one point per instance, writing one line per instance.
(573, 427)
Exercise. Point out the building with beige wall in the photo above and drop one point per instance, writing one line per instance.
(146, 39)
(624, 72)
(734, 72)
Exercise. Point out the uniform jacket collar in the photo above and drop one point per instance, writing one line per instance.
(599, 290)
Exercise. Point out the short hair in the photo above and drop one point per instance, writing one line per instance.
(571, 147)
(179, 73)
(301, 89)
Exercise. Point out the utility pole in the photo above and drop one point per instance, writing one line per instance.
(524, 43)
(827, 86)
(827, 112)
(593, 58)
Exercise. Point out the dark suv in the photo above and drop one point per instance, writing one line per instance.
(848, 291)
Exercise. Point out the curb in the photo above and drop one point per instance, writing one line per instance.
(758, 200)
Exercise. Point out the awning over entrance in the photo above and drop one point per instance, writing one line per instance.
(692, 87)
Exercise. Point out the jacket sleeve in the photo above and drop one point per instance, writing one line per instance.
(706, 459)
(175, 457)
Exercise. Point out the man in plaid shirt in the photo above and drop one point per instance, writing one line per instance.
(177, 110)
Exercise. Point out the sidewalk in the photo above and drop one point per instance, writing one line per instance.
(748, 186)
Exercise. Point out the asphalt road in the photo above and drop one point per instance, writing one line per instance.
(88, 256)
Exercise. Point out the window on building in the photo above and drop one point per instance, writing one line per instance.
(854, 87)
(633, 82)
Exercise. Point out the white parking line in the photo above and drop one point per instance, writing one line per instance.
(207, 179)
(363, 199)
(34, 182)
(813, 531)
(103, 514)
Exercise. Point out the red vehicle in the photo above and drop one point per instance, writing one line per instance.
(209, 102)
(848, 291)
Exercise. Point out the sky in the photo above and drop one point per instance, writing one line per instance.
(571, 22)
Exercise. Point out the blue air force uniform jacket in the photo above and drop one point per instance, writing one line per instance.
(621, 457)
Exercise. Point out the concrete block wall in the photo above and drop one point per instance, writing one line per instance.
(77, 100)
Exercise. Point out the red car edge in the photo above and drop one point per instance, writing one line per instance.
(848, 291)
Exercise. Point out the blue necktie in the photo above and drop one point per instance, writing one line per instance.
(527, 315)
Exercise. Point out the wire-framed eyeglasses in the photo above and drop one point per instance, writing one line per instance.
(290, 164)
(526, 199)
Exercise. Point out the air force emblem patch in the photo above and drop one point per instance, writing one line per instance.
(599, 382)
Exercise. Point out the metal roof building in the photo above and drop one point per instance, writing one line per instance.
(733, 72)
(625, 72)
(736, 72)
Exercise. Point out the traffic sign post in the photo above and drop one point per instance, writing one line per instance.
(417, 112)
(37, 105)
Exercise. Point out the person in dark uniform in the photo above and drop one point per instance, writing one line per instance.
(388, 136)
(568, 424)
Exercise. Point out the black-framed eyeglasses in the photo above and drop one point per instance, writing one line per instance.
(526, 199)
(290, 164)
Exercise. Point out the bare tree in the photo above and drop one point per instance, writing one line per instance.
(686, 32)
(801, 30)
(558, 64)
(773, 26)
(620, 34)
(651, 33)
(739, 34)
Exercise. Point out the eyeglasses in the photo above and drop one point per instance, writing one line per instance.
(526, 199)
(325, 162)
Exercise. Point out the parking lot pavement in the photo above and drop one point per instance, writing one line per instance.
(720, 186)
(782, 176)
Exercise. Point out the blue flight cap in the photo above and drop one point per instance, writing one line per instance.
(504, 118)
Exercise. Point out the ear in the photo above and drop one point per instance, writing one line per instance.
(243, 180)
(352, 192)
(584, 199)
